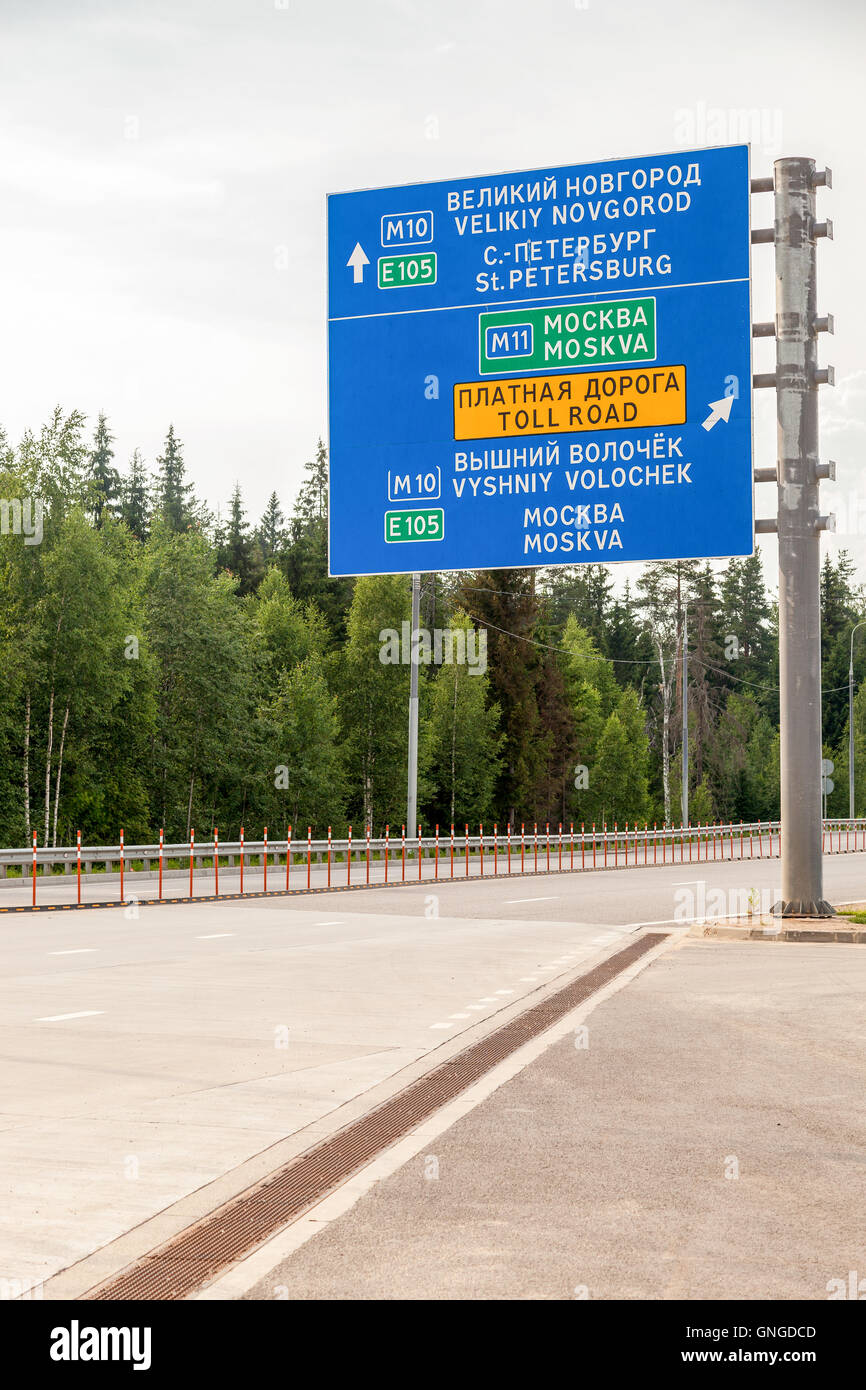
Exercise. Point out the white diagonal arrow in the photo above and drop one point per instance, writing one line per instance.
(719, 410)
(357, 261)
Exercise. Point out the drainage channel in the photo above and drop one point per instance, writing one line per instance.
(181, 1266)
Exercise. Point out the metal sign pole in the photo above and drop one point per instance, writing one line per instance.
(851, 732)
(412, 798)
(685, 793)
(799, 528)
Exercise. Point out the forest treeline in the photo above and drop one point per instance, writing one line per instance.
(164, 667)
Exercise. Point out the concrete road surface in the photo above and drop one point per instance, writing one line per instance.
(150, 1053)
(708, 1143)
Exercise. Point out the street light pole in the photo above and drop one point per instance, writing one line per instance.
(851, 722)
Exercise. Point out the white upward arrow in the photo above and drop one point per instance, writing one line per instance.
(719, 410)
(357, 261)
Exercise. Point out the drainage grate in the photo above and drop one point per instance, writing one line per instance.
(197, 1254)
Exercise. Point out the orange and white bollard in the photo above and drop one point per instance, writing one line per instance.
(191, 858)
(329, 856)
(288, 855)
(309, 854)
(216, 861)
(349, 861)
(242, 861)
(34, 868)
(161, 838)
(121, 866)
(78, 864)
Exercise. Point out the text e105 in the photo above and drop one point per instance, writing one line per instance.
(426, 525)
(404, 272)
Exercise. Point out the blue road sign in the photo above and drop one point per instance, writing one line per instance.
(542, 368)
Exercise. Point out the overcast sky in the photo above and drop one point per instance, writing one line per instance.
(163, 171)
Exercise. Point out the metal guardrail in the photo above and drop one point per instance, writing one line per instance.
(544, 849)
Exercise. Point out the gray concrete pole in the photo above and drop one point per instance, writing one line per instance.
(685, 792)
(412, 797)
(799, 539)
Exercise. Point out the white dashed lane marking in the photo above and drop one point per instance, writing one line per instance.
(61, 1018)
(79, 951)
(214, 935)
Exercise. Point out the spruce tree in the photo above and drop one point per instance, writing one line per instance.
(272, 529)
(173, 494)
(105, 488)
(237, 549)
(134, 498)
(505, 602)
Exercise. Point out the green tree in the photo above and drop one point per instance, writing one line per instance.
(204, 690)
(135, 498)
(841, 607)
(301, 739)
(237, 549)
(76, 674)
(701, 810)
(285, 630)
(272, 530)
(304, 559)
(504, 602)
(460, 744)
(374, 701)
(620, 771)
(105, 490)
(174, 499)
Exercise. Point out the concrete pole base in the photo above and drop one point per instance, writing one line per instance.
(798, 908)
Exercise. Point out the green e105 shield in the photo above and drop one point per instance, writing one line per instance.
(427, 524)
(402, 272)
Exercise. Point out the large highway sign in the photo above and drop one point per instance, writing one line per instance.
(542, 368)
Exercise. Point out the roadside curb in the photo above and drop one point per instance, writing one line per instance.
(840, 931)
